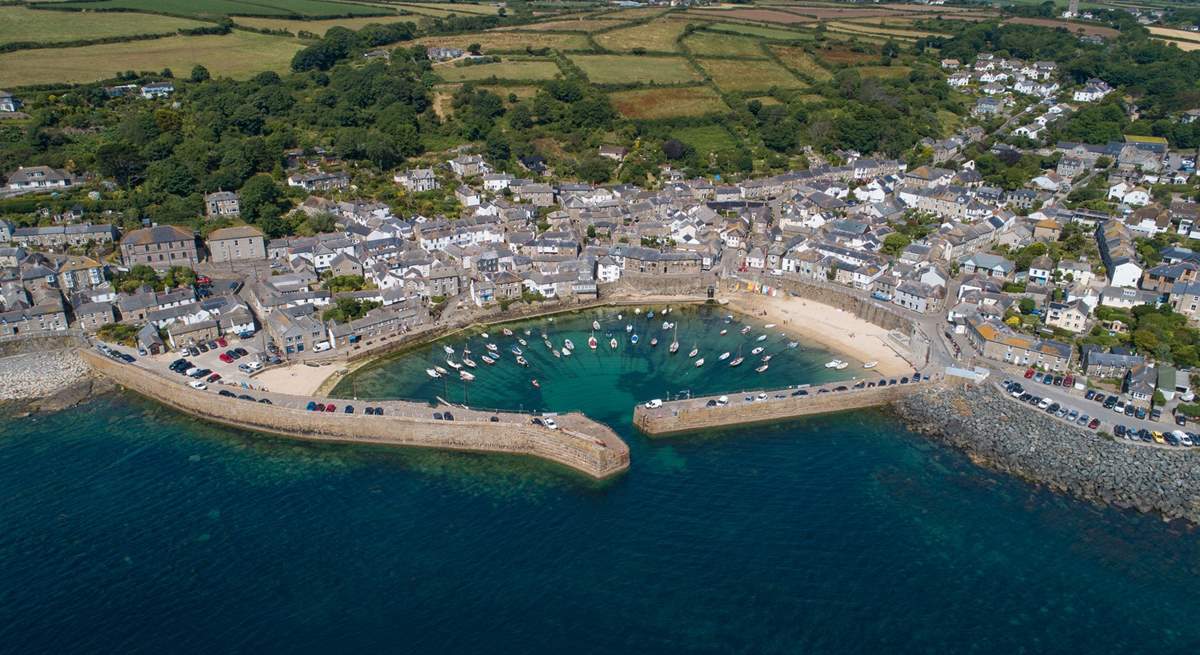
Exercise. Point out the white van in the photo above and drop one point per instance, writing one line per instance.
(321, 347)
(654, 404)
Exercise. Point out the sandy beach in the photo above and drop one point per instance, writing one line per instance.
(298, 379)
(835, 329)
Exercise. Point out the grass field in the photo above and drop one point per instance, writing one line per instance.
(530, 69)
(625, 69)
(656, 36)
(315, 26)
(238, 54)
(707, 138)
(1178, 35)
(764, 32)
(22, 24)
(668, 103)
(712, 44)
(802, 62)
(1186, 46)
(506, 41)
(882, 31)
(884, 72)
(570, 25)
(734, 75)
(1072, 27)
(841, 54)
(216, 8)
(632, 14)
(760, 15)
(457, 8)
(522, 91)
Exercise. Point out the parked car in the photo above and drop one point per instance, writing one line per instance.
(437, 416)
(241, 351)
(331, 407)
(370, 411)
(214, 377)
(1095, 423)
(450, 417)
(227, 393)
(551, 424)
(349, 409)
(222, 342)
(1090, 394)
(378, 411)
(1029, 373)
(1180, 420)
(265, 401)
(225, 358)
(246, 397)
(1068, 381)
(654, 404)
(198, 384)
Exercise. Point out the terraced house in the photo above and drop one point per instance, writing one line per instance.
(160, 247)
(996, 341)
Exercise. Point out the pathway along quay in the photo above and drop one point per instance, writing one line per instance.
(749, 407)
(580, 443)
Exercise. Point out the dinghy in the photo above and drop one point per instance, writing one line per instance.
(699, 362)
(466, 376)
(432, 373)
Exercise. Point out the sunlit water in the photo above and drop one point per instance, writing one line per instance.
(126, 527)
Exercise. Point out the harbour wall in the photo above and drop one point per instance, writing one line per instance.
(695, 414)
(590, 447)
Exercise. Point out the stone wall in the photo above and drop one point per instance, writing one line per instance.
(683, 416)
(599, 455)
(873, 311)
(42, 342)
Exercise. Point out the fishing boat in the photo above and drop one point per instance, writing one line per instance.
(653, 341)
(724, 332)
(768, 326)
(761, 337)
(441, 370)
(737, 361)
(833, 363)
(595, 325)
(507, 332)
(870, 365)
(633, 339)
(521, 361)
(728, 318)
(516, 350)
(453, 364)
(522, 341)
(468, 362)
(724, 356)
(695, 351)
(465, 375)
(699, 362)
(628, 328)
(566, 353)
(841, 366)
(484, 335)
(492, 347)
(568, 344)
(448, 349)
(432, 373)
(592, 342)
(488, 360)
(760, 369)
(746, 329)
(535, 383)
(793, 344)
(557, 354)
(756, 350)
(612, 343)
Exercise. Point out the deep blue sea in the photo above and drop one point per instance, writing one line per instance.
(126, 527)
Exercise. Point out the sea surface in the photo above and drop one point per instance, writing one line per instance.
(126, 527)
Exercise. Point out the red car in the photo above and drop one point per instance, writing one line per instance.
(331, 407)
(222, 342)
(1094, 424)
(214, 377)
(225, 358)
(1028, 373)
(320, 407)
(1069, 381)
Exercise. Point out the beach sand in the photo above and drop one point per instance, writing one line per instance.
(838, 330)
(298, 379)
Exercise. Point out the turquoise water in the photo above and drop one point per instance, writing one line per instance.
(127, 527)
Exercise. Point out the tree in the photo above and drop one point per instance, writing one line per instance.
(595, 169)
(121, 161)
(256, 195)
(349, 309)
(1027, 305)
(474, 48)
(895, 243)
(200, 74)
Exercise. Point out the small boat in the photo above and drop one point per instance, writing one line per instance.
(556, 353)
(543, 335)
(507, 332)
(535, 383)
(595, 325)
(841, 366)
(633, 339)
(760, 369)
(464, 375)
(724, 356)
(793, 344)
(766, 358)
(695, 351)
(728, 319)
(488, 360)
(568, 345)
(468, 362)
(628, 328)
(516, 350)
(674, 347)
(768, 326)
(612, 343)
(492, 347)
(833, 363)
(484, 335)
(566, 353)
(453, 364)
(724, 332)
(699, 362)
(666, 325)
(441, 370)
(619, 317)
(637, 310)
(756, 350)
(592, 342)
(526, 331)
(448, 349)
(869, 365)
(761, 337)
(522, 341)
(653, 341)
(650, 314)
(548, 344)
(521, 361)
(746, 329)
(737, 361)
(432, 373)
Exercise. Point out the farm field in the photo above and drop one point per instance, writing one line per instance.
(625, 69)
(843, 55)
(522, 91)
(802, 62)
(707, 138)
(711, 44)
(760, 15)
(20, 24)
(884, 72)
(534, 69)
(735, 75)
(569, 25)
(314, 26)
(1098, 30)
(458, 8)
(494, 41)
(1178, 35)
(882, 31)
(668, 103)
(632, 14)
(655, 36)
(217, 8)
(1186, 46)
(761, 31)
(238, 55)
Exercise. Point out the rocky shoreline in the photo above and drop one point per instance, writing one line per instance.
(47, 381)
(999, 434)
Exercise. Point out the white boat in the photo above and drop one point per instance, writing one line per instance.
(756, 350)
(768, 326)
(522, 341)
(699, 362)
(737, 361)
(766, 358)
(619, 317)
(468, 362)
(653, 341)
(548, 344)
(466, 376)
(760, 369)
(761, 337)
(833, 363)
(746, 329)
(568, 344)
(535, 383)
(521, 361)
(612, 343)
(526, 331)
(637, 310)
(507, 332)
(650, 314)
(492, 347)
(453, 364)
(595, 325)
(724, 332)
(674, 347)
(793, 344)
(592, 342)
(724, 356)
(448, 349)
(441, 370)
(666, 325)
(628, 328)
(841, 366)
(694, 352)
(870, 365)
(432, 373)
(633, 339)
(556, 353)
(516, 350)
(484, 335)
(488, 360)
(566, 353)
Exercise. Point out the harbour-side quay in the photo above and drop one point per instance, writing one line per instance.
(579, 442)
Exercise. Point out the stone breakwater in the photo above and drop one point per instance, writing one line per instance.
(1010, 438)
(40, 374)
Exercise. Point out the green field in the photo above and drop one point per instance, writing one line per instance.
(712, 44)
(238, 54)
(445, 9)
(216, 8)
(295, 26)
(801, 62)
(885, 72)
(655, 36)
(707, 138)
(623, 69)
(494, 41)
(736, 75)
(19, 24)
(533, 69)
(764, 32)
(668, 103)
